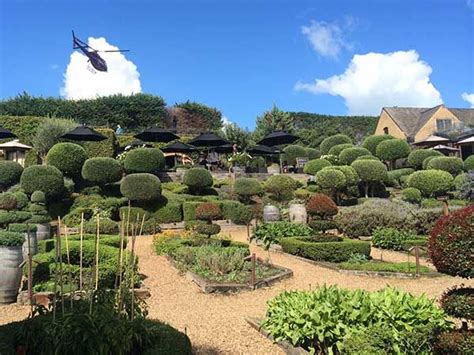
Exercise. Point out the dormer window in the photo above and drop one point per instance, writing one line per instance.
(444, 124)
(385, 130)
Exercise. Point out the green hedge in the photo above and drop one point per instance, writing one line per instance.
(141, 187)
(189, 210)
(416, 157)
(337, 149)
(47, 179)
(452, 165)
(431, 182)
(469, 163)
(23, 126)
(171, 213)
(315, 165)
(144, 160)
(331, 141)
(371, 142)
(349, 155)
(335, 252)
(10, 173)
(106, 148)
(102, 170)
(68, 158)
(197, 179)
(46, 245)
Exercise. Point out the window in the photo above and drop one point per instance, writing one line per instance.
(385, 130)
(444, 124)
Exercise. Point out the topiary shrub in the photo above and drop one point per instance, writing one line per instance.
(141, 187)
(416, 157)
(452, 165)
(313, 153)
(11, 239)
(331, 179)
(458, 302)
(208, 229)
(197, 180)
(281, 187)
(331, 141)
(349, 155)
(292, 152)
(10, 173)
(315, 165)
(171, 213)
(337, 149)
(367, 157)
(208, 211)
(321, 206)
(426, 161)
(431, 182)
(411, 194)
(102, 170)
(246, 188)
(45, 178)
(144, 160)
(370, 171)
(371, 142)
(469, 163)
(321, 225)
(38, 197)
(7, 201)
(392, 149)
(451, 243)
(461, 181)
(394, 176)
(68, 158)
(106, 226)
(21, 200)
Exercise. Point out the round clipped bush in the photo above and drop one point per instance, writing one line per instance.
(337, 149)
(349, 172)
(451, 243)
(431, 182)
(392, 149)
(141, 187)
(208, 229)
(367, 157)
(412, 195)
(208, 211)
(281, 187)
(44, 178)
(197, 179)
(322, 206)
(10, 173)
(371, 142)
(416, 157)
(21, 200)
(144, 160)
(461, 180)
(331, 179)
(331, 141)
(349, 155)
(38, 197)
(452, 165)
(370, 170)
(68, 158)
(8, 201)
(313, 166)
(313, 153)
(292, 152)
(102, 170)
(458, 302)
(469, 163)
(247, 187)
(427, 160)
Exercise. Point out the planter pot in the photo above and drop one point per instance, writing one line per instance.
(180, 172)
(10, 273)
(43, 231)
(238, 170)
(271, 214)
(33, 245)
(298, 213)
(273, 170)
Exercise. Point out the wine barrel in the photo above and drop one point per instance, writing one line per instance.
(43, 231)
(298, 213)
(10, 273)
(33, 244)
(271, 214)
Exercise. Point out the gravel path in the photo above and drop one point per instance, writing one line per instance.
(216, 323)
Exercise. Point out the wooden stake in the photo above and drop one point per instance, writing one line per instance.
(81, 235)
(417, 259)
(61, 281)
(71, 293)
(30, 269)
(97, 254)
(254, 274)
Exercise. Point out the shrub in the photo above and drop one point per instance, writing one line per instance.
(322, 226)
(367, 157)
(370, 171)
(272, 233)
(102, 170)
(461, 180)
(392, 149)
(394, 176)
(141, 187)
(313, 166)
(38, 197)
(416, 157)
(11, 239)
(313, 153)
(331, 141)
(292, 152)
(452, 165)
(331, 179)
(458, 302)
(189, 210)
(21, 227)
(281, 187)
(454, 342)
(208, 229)
(176, 187)
(144, 160)
(411, 194)
(247, 187)
(10, 173)
(47, 179)
(431, 182)
(21, 200)
(322, 206)
(7, 201)
(391, 238)
(208, 211)
(106, 226)
(371, 142)
(425, 163)
(106, 148)
(68, 158)
(171, 213)
(337, 149)
(349, 172)
(349, 155)
(242, 215)
(469, 163)
(197, 179)
(451, 243)
(228, 207)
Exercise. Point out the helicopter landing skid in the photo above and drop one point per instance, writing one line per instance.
(91, 68)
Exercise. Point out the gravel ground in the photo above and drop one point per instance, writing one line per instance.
(216, 323)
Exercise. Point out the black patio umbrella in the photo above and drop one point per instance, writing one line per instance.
(5, 133)
(156, 134)
(262, 150)
(278, 138)
(208, 139)
(224, 149)
(179, 147)
(85, 134)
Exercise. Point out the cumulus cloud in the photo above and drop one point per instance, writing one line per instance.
(374, 80)
(327, 38)
(80, 82)
(469, 98)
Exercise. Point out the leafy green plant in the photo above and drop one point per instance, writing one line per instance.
(246, 188)
(47, 179)
(431, 182)
(144, 160)
(452, 165)
(102, 170)
(141, 187)
(412, 195)
(10, 173)
(198, 180)
(315, 165)
(11, 239)
(391, 238)
(281, 187)
(68, 158)
(272, 233)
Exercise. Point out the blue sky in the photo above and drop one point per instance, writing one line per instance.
(243, 56)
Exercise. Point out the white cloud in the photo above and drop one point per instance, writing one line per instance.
(374, 80)
(327, 38)
(469, 98)
(81, 82)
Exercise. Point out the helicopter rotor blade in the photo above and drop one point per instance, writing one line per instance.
(116, 50)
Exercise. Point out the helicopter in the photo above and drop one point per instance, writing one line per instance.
(94, 58)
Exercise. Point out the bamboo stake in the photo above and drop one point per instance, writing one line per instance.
(122, 240)
(61, 281)
(97, 255)
(30, 269)
(81, 234)
(71, 292)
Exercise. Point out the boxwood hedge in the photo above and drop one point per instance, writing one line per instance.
(331, 141)
(197, 179)
(452, 165)
(144, 160)
(10, 173)
(45, 178)
(141, 187)
(431, 182)
(68, 158)
(102, 170)
(416, 157)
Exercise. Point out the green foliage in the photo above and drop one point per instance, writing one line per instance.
(8, 201)
(337, 149)
(321, 225)
(367, 157)
(425, 163)
(394, 176)
(106, 148)
(242, 137)
(242, 215)
(10, 173)
(349, 155)
(49, 133)
(315, 165)
(197, 179)
(370, 170)
(313, 153)
(273, 233)
(106, 226)
(452, 165)
(38, 197)
(208, 211)
(23, 126)
(144, 160)
(458, 302)
(189, 210)
(333, 317)
(411, 194)
(405, 267)
(281, 187)
(141, 187)
(247, 187)
(392, 149)
(7, 217)
(455, 342)
(431, 182)
(291, 152)
(391, 238)
(210, 114)
(21, 227)
(176, 187)
(21, 200)
(417, 156)
(47, 179)
(371, 142)
(170, 213)
(68, 158)
(469, 163)
(331, 179)
(11, 239)
(102, 170)
(349, 172)
(461, 180)
(208, 229)
(331, 141)
(322, 206)
(271, 121)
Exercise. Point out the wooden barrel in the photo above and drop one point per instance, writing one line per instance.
(298, 213)
(43, 231)
(10, 273)
(180, 173)
(33, 245)
(271, 214)
(273, 169)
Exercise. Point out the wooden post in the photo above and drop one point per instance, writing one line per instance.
(30, 269)
(417, 259)
(445, 207)
(61, 281)
(254, 276)
(81, 236)
(97, 255)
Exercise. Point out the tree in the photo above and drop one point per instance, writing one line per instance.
(211, 114)
(370, 171)
(235, 134)
(392, 149)
(273, 120)
(49, 133)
